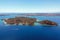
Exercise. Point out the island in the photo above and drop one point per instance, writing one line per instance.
(28, 21)
(20, 20)
(48, 23)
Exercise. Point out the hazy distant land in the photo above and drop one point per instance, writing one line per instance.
(31, 14)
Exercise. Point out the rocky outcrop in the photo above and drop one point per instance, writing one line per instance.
(9, 21)
(22, 20)
(28, 21)
(48, 22)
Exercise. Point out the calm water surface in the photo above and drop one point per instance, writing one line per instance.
(37, 32)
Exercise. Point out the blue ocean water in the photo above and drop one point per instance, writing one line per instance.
(37, 32)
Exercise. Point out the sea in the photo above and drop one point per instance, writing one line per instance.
(26, 32)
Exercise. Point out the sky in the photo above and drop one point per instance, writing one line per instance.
(29, 6)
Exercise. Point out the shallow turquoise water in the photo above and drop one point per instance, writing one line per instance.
(37, 32)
